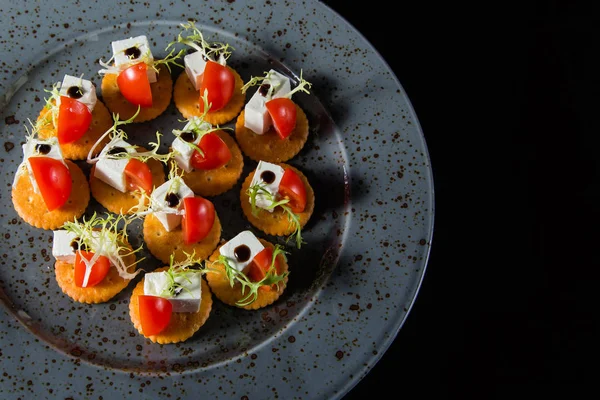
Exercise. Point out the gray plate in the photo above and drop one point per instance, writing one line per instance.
(351, 287)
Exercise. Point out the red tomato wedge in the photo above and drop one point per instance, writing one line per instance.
(155, 314)
(260, 265)
(216, 153)
(291, 187)
(220, 83)
(53, 179)
(134, 85)
(138, 176)
(283, 113)
(198, 219)
(74, 119)
(99, 269)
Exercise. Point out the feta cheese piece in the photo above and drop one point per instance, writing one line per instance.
(110, 170)
(183, 151)
(187, 297)
(194, 67)
(40, 148)
(256, 116)
(79, 89)
(130, 51)
(62, 248)
(170, 217)
(238, 256)
(269, 176)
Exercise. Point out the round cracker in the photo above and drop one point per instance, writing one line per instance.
(110, 286)
(122, 203)
(162, 91)
(182, 326)
(269, 146)
(79, 149)
(217, 181)
(162, 243)
(31, 206)
(277, 222)
(219, 284)
(187, 100)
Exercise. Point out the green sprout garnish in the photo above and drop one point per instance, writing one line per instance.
(233, 275)
(259, 189)
(113, 130)
(148, 204)
(179, 271)
(215, 51)
(104, 237)
(146, 58)
(198, 126)
(302, 86)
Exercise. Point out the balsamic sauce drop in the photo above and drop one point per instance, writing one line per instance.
(116, 150)
(188, 136)
(133, 53)
(172, 199)
(75, 92)
(242, 253)
(267, 176)
(264, 89)
(43, 148)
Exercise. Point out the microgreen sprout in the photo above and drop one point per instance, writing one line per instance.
(198, 126)
(294, 220)
(271, 277)
(178, 273)
(104, 237)
(114, 131)
(302, 85)
(215, 51)
(147, 204)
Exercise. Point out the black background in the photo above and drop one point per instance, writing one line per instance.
(509, 102)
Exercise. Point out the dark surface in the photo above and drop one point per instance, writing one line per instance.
(508, 100)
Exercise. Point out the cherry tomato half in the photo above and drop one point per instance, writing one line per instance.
(98, 272)
(53, 179)
(220, 83)
(292, 188)
(134, 85)
(283, 113)
(198, 219)
(261, 263)
(155, 314)
(138, 176)
(74, 119)
(216, 153)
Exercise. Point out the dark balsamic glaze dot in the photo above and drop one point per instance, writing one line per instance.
(116, 150)
(242, 253)
(172, 199)
(43, 148)
(264, 89)
(188, 136)
(177, 291)
(133, 53)
(78, 246)
(267, 176)
(75, 92)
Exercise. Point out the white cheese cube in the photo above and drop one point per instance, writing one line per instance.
(130, 51)
(187, 297)
(265, 171)
(86, 87)
(183, 151)
(112, 171)
(244, 238)
(61, 246)
(170, 217)
(41, 148)
(256, 116)
(194, 67)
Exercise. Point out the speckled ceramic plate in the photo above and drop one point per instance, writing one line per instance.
(351, 286)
